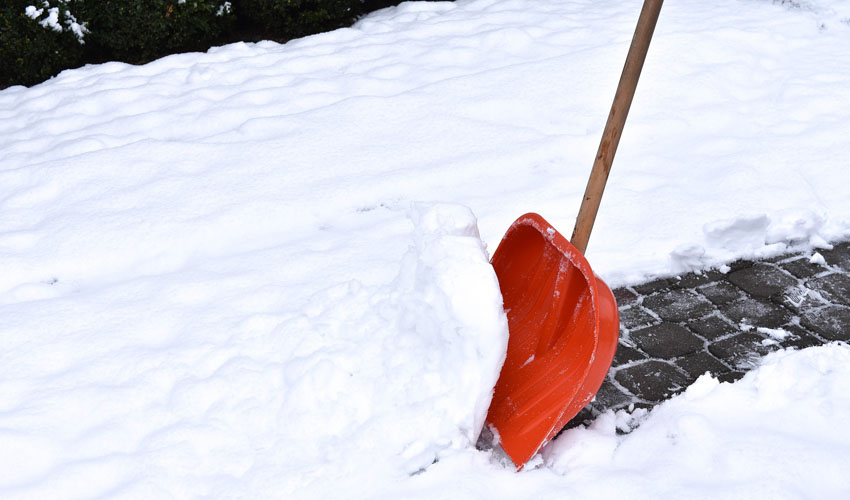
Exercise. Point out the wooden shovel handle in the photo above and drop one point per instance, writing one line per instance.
(614, 125)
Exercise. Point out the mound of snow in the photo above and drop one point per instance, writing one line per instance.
(780, 432)
(402, 373)
(206, 382)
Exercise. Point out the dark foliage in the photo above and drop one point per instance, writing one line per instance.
(29, 52)
(32, 48)
(286, 19)
(137, 31)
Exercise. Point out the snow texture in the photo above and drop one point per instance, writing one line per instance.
(254, 272)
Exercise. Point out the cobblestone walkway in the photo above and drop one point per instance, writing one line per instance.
(674, 330)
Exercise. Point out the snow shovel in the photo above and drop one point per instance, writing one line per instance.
(563, 320)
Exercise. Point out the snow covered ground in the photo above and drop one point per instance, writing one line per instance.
(256, 272)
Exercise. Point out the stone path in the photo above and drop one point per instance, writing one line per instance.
(674, 330)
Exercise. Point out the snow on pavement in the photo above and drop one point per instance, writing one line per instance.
(780, 432)
(251, 272)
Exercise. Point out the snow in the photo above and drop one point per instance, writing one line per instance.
(224, 9)
(261, 271)
(213, 372)
(701, 445)
(32, 12)
(52, 20)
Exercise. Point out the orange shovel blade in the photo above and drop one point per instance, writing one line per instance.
(564, 327)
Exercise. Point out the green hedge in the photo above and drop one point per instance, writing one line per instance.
(39, 38)
(295, 18)
(138, 31)
(31, 52)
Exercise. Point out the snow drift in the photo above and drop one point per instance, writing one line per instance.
(211, 287)
(135, 391)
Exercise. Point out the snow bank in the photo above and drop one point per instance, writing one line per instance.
(402, 373)
(146, 389)
(209, 288)
(780, 432)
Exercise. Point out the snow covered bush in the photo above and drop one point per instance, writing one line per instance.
(38, 39)
(56, 17)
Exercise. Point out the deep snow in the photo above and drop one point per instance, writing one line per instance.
(253, 273)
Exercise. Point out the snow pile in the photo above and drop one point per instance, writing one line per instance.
(145, 389)
(211, 286)
(779, 432)
(754, 235)
(402, 373)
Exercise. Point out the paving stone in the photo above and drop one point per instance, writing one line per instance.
(701, 362)
(652, 286)
(762, 280)
(741, 351)
(653, 380)
(663, 356)
(831, 322)
(636, 317)
(802, 268)
(626, 354)
(584, 417)
(833, 287)
(640, 405)
(624, 296)
(777, 259)
(678, 305)
(739, 264)
(839, 256)
(731, 377)
(801, 298)
(712, 327)
(757, 312)
(693, 280)
(610, 397)
(666, 340)
(720, 292)
(799, 338)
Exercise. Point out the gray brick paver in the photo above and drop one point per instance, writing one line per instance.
(678, 328)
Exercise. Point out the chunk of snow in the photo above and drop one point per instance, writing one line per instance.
(741, 233)
(774, 333)
(32, 12)
(52, 19)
